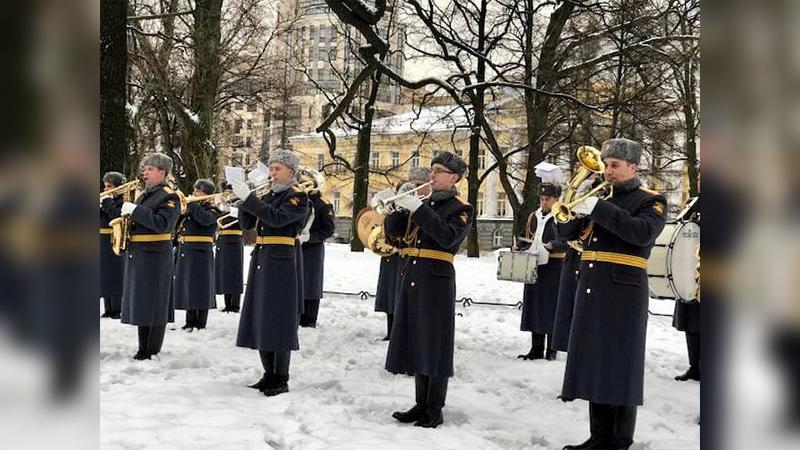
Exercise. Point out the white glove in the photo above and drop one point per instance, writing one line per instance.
(233, 211)
(586, 207)
(409, 202)
(384, 194)
(304, 236)
(127, 208)
(240, 189)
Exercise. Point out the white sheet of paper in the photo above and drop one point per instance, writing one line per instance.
(234, 174)
(259, 174)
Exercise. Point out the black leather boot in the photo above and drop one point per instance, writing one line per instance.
(155, 339)
(141, 354)
(279, 386)
(309, 317)
(624, 426)
(601, 423)
(692, 374)
(421, 397)
(235, 302)
(201, 319)
(551, 355)
(537, 348)
(437, 393)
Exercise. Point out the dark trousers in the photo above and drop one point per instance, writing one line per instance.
(389, 322)
(309, 316)
(197, 318)
(232, 302)
(151, 339)
(431, 392)
(275, 363)
(612, 425)
(693, 348)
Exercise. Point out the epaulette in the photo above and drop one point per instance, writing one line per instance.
(168, 190)
(296, 188)
(324, 202)
(461, 200)
(649, 191)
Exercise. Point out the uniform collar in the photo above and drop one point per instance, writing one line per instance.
(278, 188)
(438, 196)
(154, 187)
(627, 186)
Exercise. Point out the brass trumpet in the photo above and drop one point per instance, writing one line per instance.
(314, 183)
(124, 189)
(591, 164)
(386, 206)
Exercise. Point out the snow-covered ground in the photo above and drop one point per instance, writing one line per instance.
(194, 395)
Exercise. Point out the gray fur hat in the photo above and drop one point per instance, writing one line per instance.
(159, 160)
(621, 148)
(284, 157)
(115, 179)
(205, 185)
(452, 162)
(419, 174)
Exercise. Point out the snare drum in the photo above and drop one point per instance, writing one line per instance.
(517, 266)
(673, 262)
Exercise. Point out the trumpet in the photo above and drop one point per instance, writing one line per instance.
(123, 189)
(591, 164)
(386, 205)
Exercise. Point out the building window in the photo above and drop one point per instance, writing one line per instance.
(320, 161)
(482, 158)
(480, 204)
(374, 159)
(502, 203)
(237, 126)
(395, 159)
(237, 141)
(249, 124)
(415, 160)
(337, 200)
(248, 141)
(251, 107)
(497, 238)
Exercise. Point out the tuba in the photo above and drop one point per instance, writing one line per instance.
(591, 164)
(369, 228)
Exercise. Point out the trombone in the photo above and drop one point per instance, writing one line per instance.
(591, 164)
(386, 206)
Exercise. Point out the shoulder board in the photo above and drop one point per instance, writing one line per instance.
(324, 202)
(461, 200)
(168, 190)
(649, 191)
(297, 189)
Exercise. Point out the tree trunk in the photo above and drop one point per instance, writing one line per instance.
(361, 175)
(198, 153)
(113, 94)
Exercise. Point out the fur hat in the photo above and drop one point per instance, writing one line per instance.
(284, 157)
(419, 174)
(205, 185)
(115, 179)
(550, 190)
(452, 162)
(624, 149)
(159, 160)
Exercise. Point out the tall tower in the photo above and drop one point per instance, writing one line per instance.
(318, 60)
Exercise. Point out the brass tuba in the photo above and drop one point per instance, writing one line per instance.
(370, 231)
(591, 164)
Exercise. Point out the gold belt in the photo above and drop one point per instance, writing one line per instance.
(427, 253)
(150, 237)
(558, 255)
(229, 233)
(274, 240)
(615, 258)
(208, 239)
(105, 230)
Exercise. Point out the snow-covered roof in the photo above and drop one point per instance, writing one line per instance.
(429, 119)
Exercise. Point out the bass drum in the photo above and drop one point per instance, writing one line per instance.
(673, 262)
